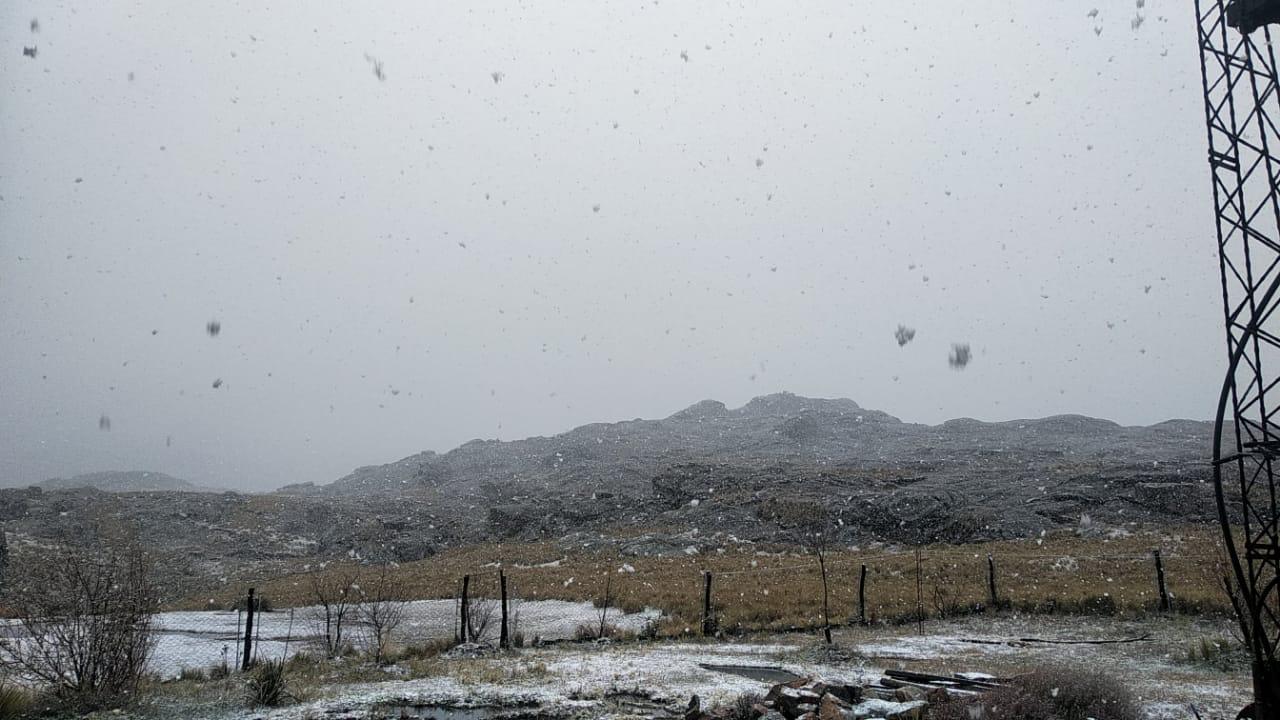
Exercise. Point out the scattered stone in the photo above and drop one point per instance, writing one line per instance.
(908, 693)
(831, 707)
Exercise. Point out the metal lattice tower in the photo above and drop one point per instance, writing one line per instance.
(1242, 107)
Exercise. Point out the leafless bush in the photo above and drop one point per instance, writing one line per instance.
(334, 593)
(1061, 693)
(381, 610)
(480, 614)
(85, 619)
(743, 707)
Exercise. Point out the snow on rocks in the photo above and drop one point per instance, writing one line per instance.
(808, 699)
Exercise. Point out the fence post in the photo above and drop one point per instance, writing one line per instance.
(1164, 594)
(919, 597)
(708, 622)
(465, 633)
(504, 640)
(248, 633)
(862, 596)
(991, 582)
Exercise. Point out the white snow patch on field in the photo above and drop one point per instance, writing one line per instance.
(665, 671)
(198, 639)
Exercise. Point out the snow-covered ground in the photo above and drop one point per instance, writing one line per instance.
(595, 681)
(199, 639)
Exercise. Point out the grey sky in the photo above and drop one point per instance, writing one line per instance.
(770, 209)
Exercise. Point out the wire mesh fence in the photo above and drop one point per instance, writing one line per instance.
(518, 606)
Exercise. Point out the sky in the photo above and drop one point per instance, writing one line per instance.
(419, 223)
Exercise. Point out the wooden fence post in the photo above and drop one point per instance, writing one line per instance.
(248, 633)
(708, 620)
(862, 596)
(1164, 594)
(919, 597)
(465, 633)
(504, 639)
(991, 583)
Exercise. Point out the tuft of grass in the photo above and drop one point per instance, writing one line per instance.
(425, 650)
(1220, 653)
(15, 702)
(268, 684)
(592, 631)
(193, 674)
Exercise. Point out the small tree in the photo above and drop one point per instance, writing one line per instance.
(381, 610)
(86, 623)
(334, 592)
(815, 533)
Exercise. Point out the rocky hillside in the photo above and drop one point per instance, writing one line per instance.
(704, 477)
(127, 481)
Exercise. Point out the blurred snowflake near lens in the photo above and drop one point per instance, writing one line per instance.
(213, 328)
(376, 65)
(104, 423)
(904, 335)
(960, 356)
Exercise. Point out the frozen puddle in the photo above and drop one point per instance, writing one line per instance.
(763, 673)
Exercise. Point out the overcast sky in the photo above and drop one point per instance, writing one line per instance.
(553, 213)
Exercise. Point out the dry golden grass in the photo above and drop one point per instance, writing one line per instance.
(779, 588)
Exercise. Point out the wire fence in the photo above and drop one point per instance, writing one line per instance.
(513, 606)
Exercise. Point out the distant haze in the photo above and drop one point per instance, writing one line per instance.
(561, 212)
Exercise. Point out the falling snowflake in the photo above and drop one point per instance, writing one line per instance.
(217, 383)
(960, 356)
(684, 55)
(595, 208)
(497, 76)
(759, 162)
(104, 423)
(213, 328)
(376, 65)
(904, 335)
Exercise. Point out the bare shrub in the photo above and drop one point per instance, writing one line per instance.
(85, 619)
(381, 610)
(1059, 693)
(745, 707)
(480, 614)
(334, 593)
